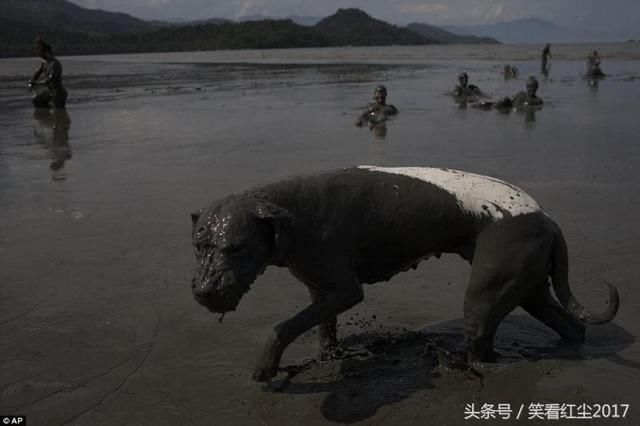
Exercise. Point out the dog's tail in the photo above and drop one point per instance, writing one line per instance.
(560, 281)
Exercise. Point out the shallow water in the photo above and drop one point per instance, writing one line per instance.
(95, 254)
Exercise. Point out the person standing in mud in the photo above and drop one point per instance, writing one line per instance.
(49, 78)
(546, 55)
(379, 111)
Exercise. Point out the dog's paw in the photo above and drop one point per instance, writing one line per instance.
(262, 374)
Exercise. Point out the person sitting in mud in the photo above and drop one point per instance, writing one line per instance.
(523, 99)
(593, 65)
(49, 78)
(510, 72)
(464, 89)
(530, 97)
(379, 111)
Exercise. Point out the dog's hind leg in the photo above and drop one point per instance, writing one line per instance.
(493, 292)
(328, 330)
(483, 312)
(544, 308)
(506, 260)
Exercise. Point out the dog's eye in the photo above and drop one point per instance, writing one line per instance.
(201, 232)
(198, 248)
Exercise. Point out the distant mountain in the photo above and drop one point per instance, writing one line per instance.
(62, 15)
(265, 34)
(354, 27)
(215, 21)
(250, 18)
(530, 30)
(307, 21)
(66, 31)
(446, 37)
(179, 23)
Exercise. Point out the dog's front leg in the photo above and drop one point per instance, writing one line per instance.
(320, 311)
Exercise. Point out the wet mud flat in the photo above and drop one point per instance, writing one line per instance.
(97, 321)
(427, 366)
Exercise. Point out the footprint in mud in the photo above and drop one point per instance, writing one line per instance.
(454, 361)
(341, 352)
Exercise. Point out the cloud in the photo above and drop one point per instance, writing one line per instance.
(437, 8)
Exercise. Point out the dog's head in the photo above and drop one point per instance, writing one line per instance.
(235, 239)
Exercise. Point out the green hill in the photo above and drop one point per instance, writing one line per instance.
(354, 27)
(73, 30)
(267, 34)
(62, 15)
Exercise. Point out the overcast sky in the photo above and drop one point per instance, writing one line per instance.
(603, 14)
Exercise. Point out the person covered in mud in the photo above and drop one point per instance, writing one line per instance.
(47, 80)
(464, 89)
(593, 65)
(510, 72)
(522, 100)
(546, 55)
(379, 111)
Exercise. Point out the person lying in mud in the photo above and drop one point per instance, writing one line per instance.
(510, 72)
(522, 100)
(464, 89)
(593, 65)
(47, 80)
(379, 111)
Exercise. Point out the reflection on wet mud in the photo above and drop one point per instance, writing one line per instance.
(379, 130)
(593, 82)
(57, 142)
(530, 116)
(545, 74)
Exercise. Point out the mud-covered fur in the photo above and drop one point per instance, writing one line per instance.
(340, 230)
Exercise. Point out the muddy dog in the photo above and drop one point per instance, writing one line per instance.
(340, 230)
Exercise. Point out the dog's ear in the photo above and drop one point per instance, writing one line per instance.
(195, 216)
(281, 223)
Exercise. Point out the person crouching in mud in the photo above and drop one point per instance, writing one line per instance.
(379, 111)
(464, 89)
(593, 65)
(49, 78)
(510, 72)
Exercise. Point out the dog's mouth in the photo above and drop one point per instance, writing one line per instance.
(219, 303)
(214, 305)
(220, 295)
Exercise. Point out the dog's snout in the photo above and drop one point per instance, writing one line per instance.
(199, 290)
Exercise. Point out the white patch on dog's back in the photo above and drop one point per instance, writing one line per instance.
(476, 194)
